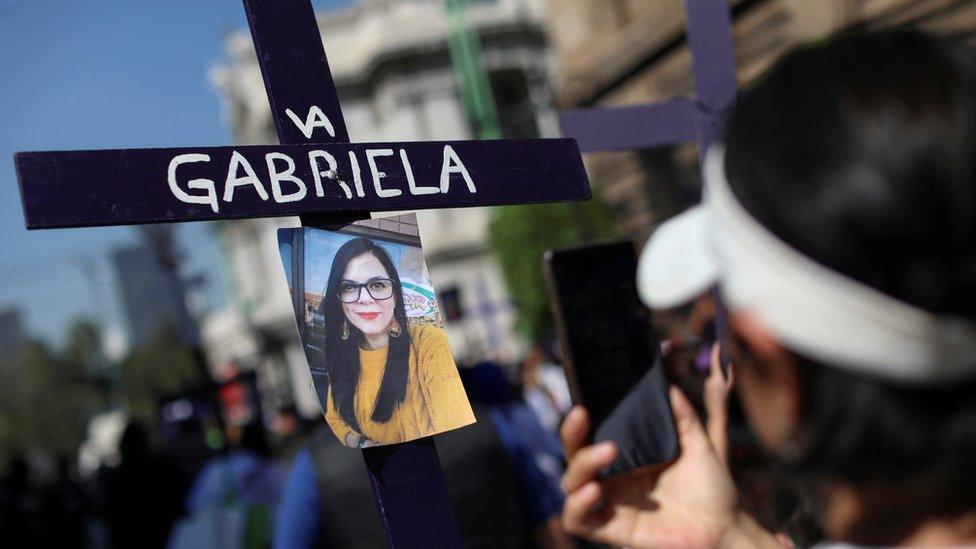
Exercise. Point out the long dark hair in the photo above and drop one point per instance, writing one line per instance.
(861, 153)
(342, 356)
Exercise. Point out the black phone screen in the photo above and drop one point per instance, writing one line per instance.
(610, 352)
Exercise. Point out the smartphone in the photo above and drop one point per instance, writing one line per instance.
(610, 354)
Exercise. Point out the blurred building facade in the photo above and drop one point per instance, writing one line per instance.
(145, 294)
(625, 52)
(392, 68)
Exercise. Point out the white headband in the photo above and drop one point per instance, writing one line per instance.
(810, 308)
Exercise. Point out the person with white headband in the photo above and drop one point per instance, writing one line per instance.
(838, 224)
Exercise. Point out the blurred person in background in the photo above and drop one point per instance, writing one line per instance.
(501, 498)
(64, 508)
(36, 511)
(289, 433)
(545, 389)
(143, 495)
(248, 473)
(534, 450)
(839, 224)
(19, 504)
(234, 498)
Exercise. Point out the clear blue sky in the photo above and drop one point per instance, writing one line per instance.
(92, 74)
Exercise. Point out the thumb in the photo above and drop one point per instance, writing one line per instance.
(691, 435)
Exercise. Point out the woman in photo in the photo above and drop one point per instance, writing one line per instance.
(389, 381)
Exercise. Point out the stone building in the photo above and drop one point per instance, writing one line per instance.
(625, 52)
(393, 72)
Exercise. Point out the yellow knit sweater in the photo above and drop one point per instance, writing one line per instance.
(434, 402)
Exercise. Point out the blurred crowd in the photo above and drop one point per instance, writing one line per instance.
(298, 487)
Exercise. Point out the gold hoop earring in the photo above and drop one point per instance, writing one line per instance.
(345, 330)
(395, 328)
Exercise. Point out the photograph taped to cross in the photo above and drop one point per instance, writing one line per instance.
(373, 332)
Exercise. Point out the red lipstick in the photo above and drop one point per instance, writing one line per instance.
(369, 316)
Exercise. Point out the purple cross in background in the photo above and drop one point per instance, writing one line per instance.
(700, 118)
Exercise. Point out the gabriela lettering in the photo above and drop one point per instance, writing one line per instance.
(279, 174)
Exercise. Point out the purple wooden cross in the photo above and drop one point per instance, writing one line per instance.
(709, 26)
(317, 174)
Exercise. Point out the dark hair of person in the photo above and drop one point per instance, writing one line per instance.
(254, 439)
(860, 152)
(134, 443)
(342, 356)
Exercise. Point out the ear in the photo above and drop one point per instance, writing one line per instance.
(778, 365)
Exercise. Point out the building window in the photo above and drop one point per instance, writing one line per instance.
(450, 299)
(516, 112)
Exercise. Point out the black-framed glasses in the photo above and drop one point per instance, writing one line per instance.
(378, 288)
